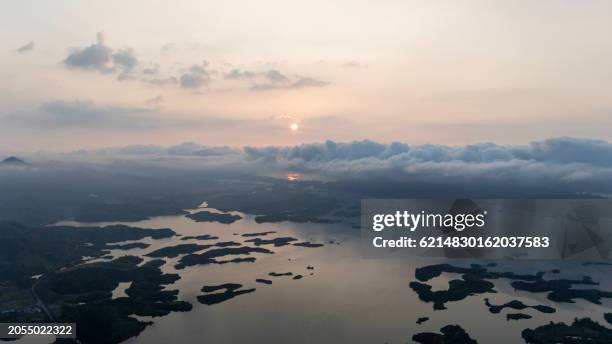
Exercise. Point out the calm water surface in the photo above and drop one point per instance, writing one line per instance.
(348, 299)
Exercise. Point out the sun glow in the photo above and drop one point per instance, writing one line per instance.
(293, 127)
(292, 177)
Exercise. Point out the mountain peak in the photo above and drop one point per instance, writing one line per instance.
(11, 160)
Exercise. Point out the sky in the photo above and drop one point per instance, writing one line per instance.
(98, 74)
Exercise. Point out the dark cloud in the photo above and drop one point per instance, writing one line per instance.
(568, 150)
(102, 58)
(579, 165)
(557, 150)
(196, 77)
(25, 48)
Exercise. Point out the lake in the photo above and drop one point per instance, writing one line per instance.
(345, 299)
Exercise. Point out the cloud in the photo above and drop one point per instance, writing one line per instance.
(237, 74)
(273, 79)
(25, 48)
(102, 58)
(352, 64)
(303, 82)
(551, 168)
(308, 82)
(264, 87)
(161, 81)
(568, 164)
(156, 102)
(153, 70)
(568, 150)
(275, 76)
(95, 57)
(124, 59)
(556, 150)
(284, 118)
(83, 113)
(196, 77)
(272, 75)
(70, 115)
(125, 65)
(167, 48)
(183, 149)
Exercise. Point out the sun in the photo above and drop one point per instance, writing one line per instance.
(293, 127)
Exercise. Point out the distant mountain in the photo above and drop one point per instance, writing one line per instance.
(13, 161)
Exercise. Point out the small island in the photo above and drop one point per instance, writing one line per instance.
(580, 331)
(422, 320)
(517, 316)
(84, 296)
(250, 235)
(175, 251)
(207, 216)
(451, 334)
(277, 242)
(474, 280)
(230, 290)
(517, 305)
(210, 256)
(308, 244)
(200, 237)
(128, 246)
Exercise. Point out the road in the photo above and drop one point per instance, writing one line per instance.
(40, 303)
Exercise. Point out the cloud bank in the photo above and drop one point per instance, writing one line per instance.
(559, 150)
(579, 165)
(556, 167)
